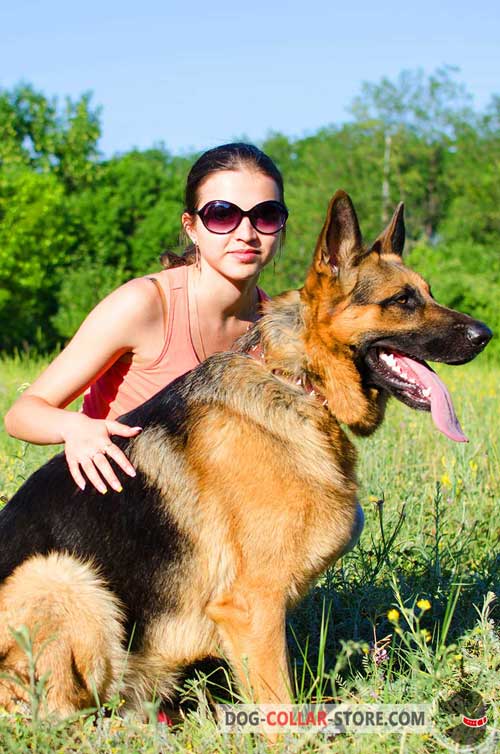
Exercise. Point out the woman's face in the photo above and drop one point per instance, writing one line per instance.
(242, 253)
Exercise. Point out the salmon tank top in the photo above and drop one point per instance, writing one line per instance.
(124, 386)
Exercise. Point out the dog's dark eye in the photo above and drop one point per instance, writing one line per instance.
(403, 299)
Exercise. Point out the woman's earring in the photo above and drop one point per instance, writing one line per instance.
(278, 254)
(197, 259)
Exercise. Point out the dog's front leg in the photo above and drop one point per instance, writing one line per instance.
(252, 630)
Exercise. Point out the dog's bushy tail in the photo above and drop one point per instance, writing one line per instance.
(75, 629)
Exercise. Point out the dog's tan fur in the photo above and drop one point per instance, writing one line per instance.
(76, 632)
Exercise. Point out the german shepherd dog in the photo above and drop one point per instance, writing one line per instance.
(245, 489)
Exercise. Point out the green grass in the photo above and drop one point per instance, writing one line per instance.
(432, 532)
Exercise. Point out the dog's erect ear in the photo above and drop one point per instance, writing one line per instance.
(392, 239)
(339, 243)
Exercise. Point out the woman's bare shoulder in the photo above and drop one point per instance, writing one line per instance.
(117, 325)
(139, 290)
(135, 303)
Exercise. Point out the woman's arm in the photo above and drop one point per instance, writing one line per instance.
(116, 326)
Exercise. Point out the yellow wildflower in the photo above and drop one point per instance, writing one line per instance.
(393, 615)
(445, 480)
(426, 634)
(424, 605)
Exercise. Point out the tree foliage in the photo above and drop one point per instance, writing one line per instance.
(74, 225)
(35, 244)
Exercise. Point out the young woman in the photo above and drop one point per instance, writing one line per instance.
(153, 329)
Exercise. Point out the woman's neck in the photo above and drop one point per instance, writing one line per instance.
(221, 299)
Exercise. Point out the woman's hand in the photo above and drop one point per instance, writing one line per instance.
(87, 442)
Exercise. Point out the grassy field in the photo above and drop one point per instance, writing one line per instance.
(409, 616)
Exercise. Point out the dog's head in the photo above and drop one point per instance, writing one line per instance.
(370, 310)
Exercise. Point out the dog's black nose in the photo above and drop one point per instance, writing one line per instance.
(479, 334)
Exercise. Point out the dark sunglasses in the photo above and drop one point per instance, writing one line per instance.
(222, 217)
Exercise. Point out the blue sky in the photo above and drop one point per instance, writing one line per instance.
(195, 74)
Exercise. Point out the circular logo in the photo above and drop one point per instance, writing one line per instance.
(463, 722)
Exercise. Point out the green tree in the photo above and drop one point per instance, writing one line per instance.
(35, 133)
(35, 239)
(472, 177)
(419, 116)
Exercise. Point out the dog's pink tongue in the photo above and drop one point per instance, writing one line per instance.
(443, 413)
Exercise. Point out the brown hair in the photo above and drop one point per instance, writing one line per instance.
(226, 157)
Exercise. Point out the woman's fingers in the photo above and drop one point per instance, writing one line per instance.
(119, 457)
(94, 463)
(74, 470)
(123, 430)
(93, 476)
(99, 471)
(102, 464)
(113, 451)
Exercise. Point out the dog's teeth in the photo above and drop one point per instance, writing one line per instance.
(313, 393)
(388, 358)
(426, 393)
